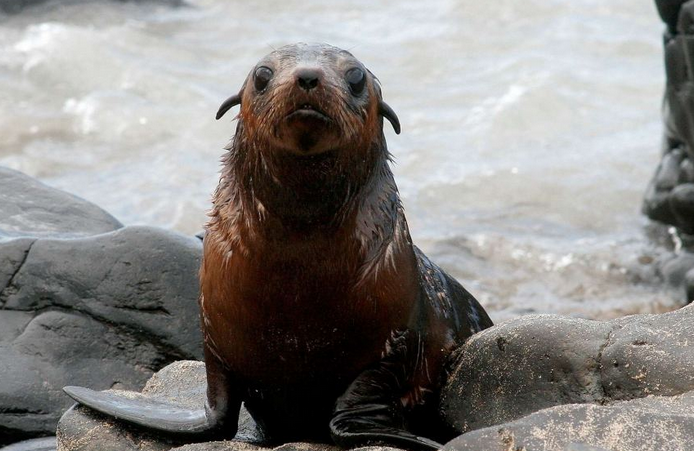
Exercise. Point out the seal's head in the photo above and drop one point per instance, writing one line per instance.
(308, 99)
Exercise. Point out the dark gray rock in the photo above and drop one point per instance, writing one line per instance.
(30, 208)
(668, 172)
(669, 197)
(686, 172)
(682, 204)
(140, 276)
(675, 268)
(103, 311)
(656, 205)
(537, 363)
(689, 285)
(669, 11)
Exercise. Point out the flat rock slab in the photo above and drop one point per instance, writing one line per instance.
(653, 423)
(102, 311)
(28, 208)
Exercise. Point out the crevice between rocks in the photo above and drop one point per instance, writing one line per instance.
(146, 309)
(604, 398)
(22, 411)
(11, 287)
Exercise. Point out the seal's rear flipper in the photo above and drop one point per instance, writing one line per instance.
(386, 437)
(138, 409)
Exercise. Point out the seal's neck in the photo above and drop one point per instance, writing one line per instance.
(345, 198)
(312, 192)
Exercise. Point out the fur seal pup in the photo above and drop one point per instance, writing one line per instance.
(317, 310)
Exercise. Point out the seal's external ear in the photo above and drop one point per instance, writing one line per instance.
(229, 104)
(387, 112)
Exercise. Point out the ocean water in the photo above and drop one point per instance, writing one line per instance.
(530, 128)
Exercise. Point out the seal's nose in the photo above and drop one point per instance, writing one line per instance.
(308, 78)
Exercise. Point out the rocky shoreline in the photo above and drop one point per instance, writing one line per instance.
(87, 301)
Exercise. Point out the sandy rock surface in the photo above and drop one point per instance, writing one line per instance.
(550, 382)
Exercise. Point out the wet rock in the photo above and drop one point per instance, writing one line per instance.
(574, 378)
(689, 285)
(675, 269)
(656, 205)
(686, 172)
(669, 197)
(669, 170)
(685, 20)
(28, 208)
(682, 204)
(103, 311)
(669, 11)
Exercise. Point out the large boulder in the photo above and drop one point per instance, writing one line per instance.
(100, 312)
(84, 300)
(591, 369)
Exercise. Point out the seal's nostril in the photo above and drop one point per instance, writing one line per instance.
(308, 78)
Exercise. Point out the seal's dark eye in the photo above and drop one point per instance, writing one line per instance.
(262, 77)
(356, 79)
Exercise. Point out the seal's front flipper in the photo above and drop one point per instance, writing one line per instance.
(138, 409)
(370, 411)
